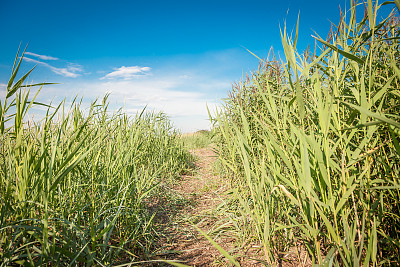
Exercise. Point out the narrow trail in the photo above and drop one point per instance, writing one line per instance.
(199, 193)
(194, 198)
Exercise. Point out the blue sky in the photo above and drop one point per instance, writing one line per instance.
(174, 56)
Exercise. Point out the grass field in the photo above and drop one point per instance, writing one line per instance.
(75, 187)
(199, 139)
(310, 144)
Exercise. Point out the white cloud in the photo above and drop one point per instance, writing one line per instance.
(42, 57)
(70, 71)
(3, 90)
(185, 76)
(73, 67)
(187, 109)
(127, 72)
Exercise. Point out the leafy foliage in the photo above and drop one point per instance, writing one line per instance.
(312, 147)
(75, 188)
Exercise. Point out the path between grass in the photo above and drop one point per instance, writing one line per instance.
(196, 195)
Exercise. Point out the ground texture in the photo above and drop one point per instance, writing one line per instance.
(195, 197)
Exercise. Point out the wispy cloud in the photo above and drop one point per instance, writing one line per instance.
(42, 57)
(127, 72)
(3, 90)
(73, 67)
(70, 71)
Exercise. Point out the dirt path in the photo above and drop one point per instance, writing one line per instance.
(199, 193)
(195, 197)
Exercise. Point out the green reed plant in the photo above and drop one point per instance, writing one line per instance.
(76, 187)
(312, 147)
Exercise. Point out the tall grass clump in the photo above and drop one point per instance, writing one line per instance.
(75, 187)
(312, 146)
(199, 139)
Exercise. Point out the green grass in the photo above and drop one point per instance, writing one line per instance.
(311, 145)
(199, 139)
(76, 187)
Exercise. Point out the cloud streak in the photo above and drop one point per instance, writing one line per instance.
(42, 57)
(70, 71)
(127, 73)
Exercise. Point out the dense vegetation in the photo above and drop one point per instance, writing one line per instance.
(312, 146)
(199, 139)
(76, 187)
